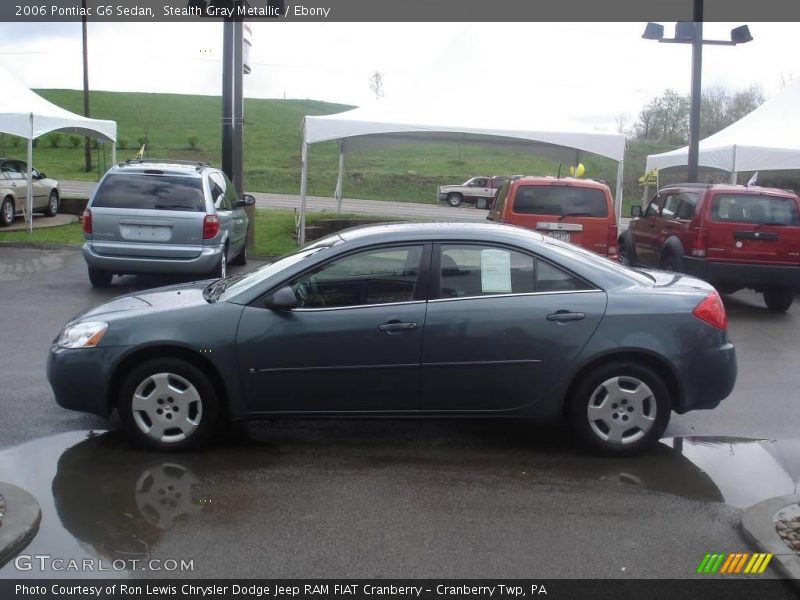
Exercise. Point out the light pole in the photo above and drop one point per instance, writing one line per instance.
(692, 33)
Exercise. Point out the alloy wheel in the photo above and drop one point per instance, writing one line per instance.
(167, 407)
(622, 410)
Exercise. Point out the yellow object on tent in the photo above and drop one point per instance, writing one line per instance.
(649, 178)
(140, 153)
(577, 171)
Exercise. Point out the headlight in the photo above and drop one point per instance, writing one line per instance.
(82, 335)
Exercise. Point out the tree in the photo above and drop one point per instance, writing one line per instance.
(376, 84)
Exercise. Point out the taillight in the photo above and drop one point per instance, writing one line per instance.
(712, 311)
(613, 250)
(700, 242)
(87, 221)
(210, 227)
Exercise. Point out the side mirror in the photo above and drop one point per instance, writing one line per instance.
(247, 200)
(636, 211)
(42, 175)
(282, 299)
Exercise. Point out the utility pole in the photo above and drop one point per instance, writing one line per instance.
(694, 115)
(87, 145)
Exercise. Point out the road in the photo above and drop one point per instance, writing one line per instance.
(385, 499)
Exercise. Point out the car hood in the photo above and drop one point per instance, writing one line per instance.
(164, 298)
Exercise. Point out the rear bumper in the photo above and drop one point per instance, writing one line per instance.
(707, 377)
(741, 274)
(119, 264)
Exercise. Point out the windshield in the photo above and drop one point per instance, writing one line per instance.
(263, 273)
(560, 200)
(601, 262)
(754, 209)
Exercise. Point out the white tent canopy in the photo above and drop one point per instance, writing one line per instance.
(26, 114)
(435, 119)
(766, 139)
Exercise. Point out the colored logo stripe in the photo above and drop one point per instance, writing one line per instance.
(735, 563)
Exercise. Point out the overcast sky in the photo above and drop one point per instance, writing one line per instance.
(589, 72)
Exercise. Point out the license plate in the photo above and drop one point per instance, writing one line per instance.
(564, 236)
(145, 233)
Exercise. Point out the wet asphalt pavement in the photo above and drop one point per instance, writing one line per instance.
(388, 499)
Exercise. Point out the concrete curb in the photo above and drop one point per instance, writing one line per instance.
(758, 523)
(20, 523)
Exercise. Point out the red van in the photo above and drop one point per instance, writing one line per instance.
(579, 211)
(732, 236)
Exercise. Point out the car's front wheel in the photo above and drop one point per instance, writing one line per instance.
(454, 199)
(778, 299)
(620, 408)
(168, 404)
(52, 205)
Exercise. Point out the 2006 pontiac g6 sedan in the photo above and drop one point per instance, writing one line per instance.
(418, 320)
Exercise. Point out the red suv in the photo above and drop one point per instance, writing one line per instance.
(732, 236)
(579, 211)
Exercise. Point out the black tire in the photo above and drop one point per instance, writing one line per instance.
(241, 258)
(670, 262)
(778, 299)
(52, 205)
(627, 253)
(100, 278)
(6, 212)
(205, 409)
(454, 199)
(482, 203)
(221, 268)
(593, 388)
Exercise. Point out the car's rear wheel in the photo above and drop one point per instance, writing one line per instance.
(99, 277)
(241, 258)
(168, 404)
(620, 409)
(454, 199)
(778, 299)
(52, 205)
(669, 262)
(6, 212)
(627, 255)
(221, 269)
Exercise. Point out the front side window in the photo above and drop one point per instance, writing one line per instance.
(560, 200)
(652, 208)
(670, 208)
(755, 209)
(377, 276)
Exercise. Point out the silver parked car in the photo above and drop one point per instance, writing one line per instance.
(14, 191)
(164, 217)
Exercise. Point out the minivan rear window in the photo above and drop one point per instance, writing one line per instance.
(560, 200)
(159, 192)
(755, 209)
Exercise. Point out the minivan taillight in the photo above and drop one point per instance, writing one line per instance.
(210, 227)
(87, 221)
(712, 311)
(613, 250)
(700, 242)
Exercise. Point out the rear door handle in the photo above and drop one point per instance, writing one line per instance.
(395, 327)
(563, 316)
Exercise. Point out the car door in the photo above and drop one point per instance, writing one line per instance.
(353, 344)
(502, 327)
(16, 182)
(646, 231)
(41, 192)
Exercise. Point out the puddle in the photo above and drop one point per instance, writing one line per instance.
(101, 498)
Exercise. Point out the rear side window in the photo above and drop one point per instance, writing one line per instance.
(159, 192)
(500, 200)
(754, 209)
(560, 200)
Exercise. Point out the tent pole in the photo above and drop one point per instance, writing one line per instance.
(29, 182)
(619, 190)
(734, 174)
(113, 153)
(339, 180)
(301, 235)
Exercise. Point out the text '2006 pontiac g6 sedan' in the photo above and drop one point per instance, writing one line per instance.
(439, 319)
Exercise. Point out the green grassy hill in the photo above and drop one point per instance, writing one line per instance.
(272, 148)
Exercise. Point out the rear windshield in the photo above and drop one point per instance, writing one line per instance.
(560, 200)
(160, 192)
(755, 209)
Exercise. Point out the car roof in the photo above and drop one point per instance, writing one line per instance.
(165, 166)
(443, 230)
(728, 187)
(550, 180)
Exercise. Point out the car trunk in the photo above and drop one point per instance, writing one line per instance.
(754, 228)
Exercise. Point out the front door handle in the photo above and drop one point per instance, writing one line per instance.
(395, 327)
(563, 316)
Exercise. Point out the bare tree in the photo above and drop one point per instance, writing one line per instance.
(376, 84)
(622, 122)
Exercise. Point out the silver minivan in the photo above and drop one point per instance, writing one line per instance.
(164, 217)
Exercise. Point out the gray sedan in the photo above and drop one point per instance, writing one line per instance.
(422, 320)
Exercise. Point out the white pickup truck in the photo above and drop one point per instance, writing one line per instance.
(476, 190)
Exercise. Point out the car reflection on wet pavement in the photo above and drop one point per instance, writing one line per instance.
(333, 497)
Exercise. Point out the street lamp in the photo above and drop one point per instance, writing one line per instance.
(692, 33)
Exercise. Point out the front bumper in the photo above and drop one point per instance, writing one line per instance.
(441, 196)
(706, 377)
(81, 377)
(741, 274)
(204, 263)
